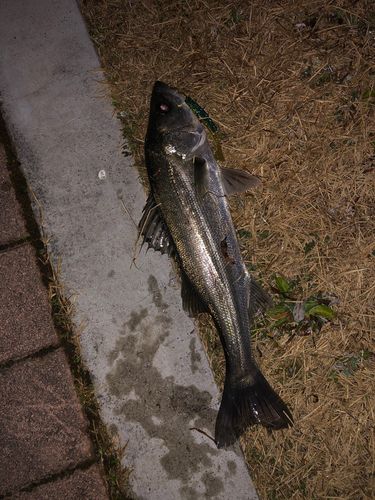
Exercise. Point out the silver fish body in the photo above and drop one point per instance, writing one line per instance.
(187, 215)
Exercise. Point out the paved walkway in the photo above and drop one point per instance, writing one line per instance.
(44, 440)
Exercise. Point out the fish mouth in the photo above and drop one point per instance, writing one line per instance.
(190, 122)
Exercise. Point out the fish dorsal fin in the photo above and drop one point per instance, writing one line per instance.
(190, 300)
(259, 298)
(154, 231)
(237, 181)
(200, 177)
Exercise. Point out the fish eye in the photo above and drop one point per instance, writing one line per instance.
(164, 107)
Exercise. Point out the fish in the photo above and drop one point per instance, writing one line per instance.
(187, 216)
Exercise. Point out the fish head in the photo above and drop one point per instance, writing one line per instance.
(173, 125)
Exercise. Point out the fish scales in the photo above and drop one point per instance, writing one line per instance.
(189, 191)
(197, 231)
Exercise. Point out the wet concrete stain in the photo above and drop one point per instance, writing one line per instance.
(162, 317)
(213, 484)
(165, 409)
(135, 320)
(187, 493)
(195, 357)
(232, 468)
(157, 298)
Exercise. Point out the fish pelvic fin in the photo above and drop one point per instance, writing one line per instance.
(242, 406)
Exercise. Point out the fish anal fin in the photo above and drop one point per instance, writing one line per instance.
(153, 229)
(259, 298)
(190, 300)
(242, 406)
(237, 181)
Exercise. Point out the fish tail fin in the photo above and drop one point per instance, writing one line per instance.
(241, 406)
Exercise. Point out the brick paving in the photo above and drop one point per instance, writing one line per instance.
(26, 325)
(86, 485)
(45, 448)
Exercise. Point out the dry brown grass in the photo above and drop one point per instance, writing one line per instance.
(295, 106)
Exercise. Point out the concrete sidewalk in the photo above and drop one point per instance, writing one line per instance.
(152, 377)
(44, 434)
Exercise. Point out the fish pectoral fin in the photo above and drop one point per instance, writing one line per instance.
(237, 181)
(190, 300)
(154, 231)
(200, 177)
(259, 298)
